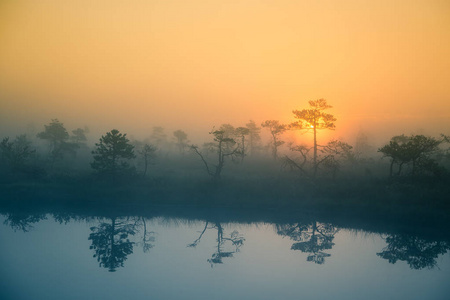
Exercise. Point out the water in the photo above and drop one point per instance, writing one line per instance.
(61, 257)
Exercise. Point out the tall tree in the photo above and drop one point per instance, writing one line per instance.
(241, 133)
(314, 119)
(148, 152)
(276, 129)
(113, 153)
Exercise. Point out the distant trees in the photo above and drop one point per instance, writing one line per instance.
(276, 129)
(56, 134)
(112, 154)
(253, 136)
(314, 119)
(415, 151)
(181, 140)
(15, 154)
(225, 147)
(79, 135)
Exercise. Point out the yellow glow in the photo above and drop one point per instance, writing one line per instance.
(194, 64)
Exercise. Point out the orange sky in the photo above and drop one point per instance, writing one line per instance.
(383, 65)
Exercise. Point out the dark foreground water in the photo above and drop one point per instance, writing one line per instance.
(60, 257)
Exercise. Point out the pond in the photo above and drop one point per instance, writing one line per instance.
(51, 256)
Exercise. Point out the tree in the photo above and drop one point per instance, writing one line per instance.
(181, 139)
(311, 238)
(417, 252)
(15, 154)
(240, 133)
(56, 134)
(79, 135)
(147, 153)
(254, 135)
(334, 153)
(111, 243)
(276, 129)
(225, 147)
(235, 241)
(314, 119)
(159, 137)
(112, 154)
(415, 150)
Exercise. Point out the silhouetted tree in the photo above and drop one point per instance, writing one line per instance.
(148, 152)
(310, 238)
(415, 150)
(111, 243)
(181, 139)
(314, 119)
(275, 129)
(334, 154)
(418, 253)
(222, 144)
(112, 154)
(240, 133)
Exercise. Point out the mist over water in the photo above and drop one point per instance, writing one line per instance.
(216, 150)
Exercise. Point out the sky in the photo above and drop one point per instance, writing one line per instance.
(384, 66)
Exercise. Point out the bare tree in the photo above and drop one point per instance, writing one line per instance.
(276, 129)
(225, 147)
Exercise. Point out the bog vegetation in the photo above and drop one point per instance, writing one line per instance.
(235, 167)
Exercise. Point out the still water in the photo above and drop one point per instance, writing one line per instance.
(60, 257)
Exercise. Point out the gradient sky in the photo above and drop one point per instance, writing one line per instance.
(131, 65)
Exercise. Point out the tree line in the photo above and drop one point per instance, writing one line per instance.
(114, 155)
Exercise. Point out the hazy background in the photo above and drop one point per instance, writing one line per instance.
(132, 65)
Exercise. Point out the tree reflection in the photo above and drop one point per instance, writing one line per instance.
(111, 242)
(311, 238)
(23, 222)
(417, 252)
(226, 246)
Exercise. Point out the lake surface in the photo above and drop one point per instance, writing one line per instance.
(68, 257)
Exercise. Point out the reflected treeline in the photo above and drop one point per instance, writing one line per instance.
(226, 246)
(312, 238)
(419, 253)
(113, 239)
(23, 222)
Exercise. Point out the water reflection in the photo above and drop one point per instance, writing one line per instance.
(417, 252)
(23, 222)
(235, 240)
(111, 243)
(311, 238)
(113, 239)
